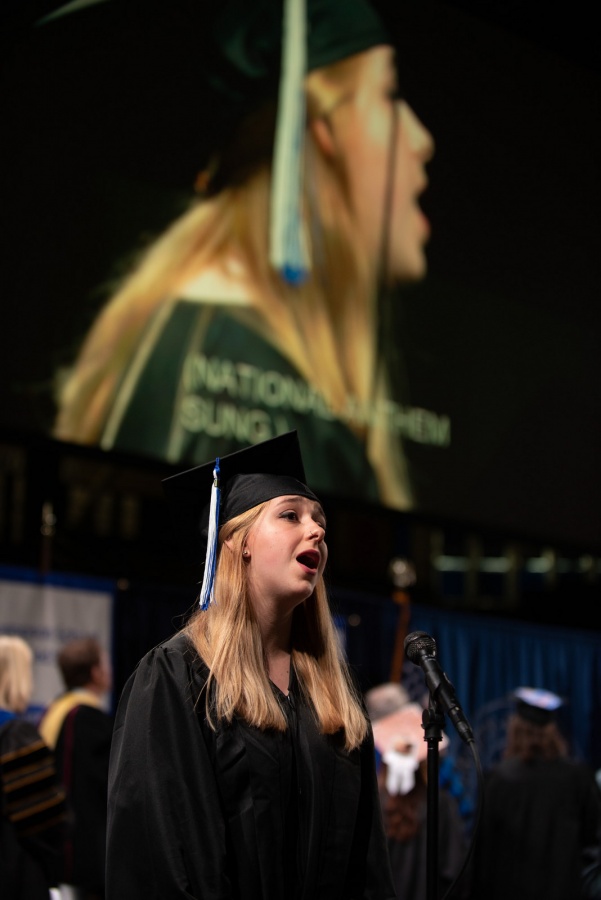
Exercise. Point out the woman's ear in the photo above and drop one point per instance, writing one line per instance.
(230, 546)
(321, 129)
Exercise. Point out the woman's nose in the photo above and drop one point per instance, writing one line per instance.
(420, 139)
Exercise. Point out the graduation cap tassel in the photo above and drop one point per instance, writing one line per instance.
(288, 250)
(206, 591)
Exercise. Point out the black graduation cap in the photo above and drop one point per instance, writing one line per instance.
(536, 705)
(207, 496)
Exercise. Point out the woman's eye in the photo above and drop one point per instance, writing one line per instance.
(289, 514)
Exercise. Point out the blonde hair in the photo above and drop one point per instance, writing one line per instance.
(325, 327)
(16, 679)
(228, 639)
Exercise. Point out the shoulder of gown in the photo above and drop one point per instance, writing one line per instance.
(166, 835)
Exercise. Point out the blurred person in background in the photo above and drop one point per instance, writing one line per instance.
(79, 730)
(541, 819)
(402, 776)
(32, 803)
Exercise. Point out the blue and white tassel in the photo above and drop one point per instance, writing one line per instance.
(206, 591)
(288, 248)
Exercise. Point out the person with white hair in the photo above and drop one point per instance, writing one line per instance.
(402, 776)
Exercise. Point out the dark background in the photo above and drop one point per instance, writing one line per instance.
(503, 332)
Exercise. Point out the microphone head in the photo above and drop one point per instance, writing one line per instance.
(417, 644)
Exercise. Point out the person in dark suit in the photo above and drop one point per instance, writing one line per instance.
(79, 730)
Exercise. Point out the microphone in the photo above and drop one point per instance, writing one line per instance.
(420, 649)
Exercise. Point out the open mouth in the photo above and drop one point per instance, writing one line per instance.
(310, 559)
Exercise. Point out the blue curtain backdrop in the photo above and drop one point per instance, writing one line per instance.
(486, 658)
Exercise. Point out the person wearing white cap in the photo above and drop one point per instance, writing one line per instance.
(541, 819)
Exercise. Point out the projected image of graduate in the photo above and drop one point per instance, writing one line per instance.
(257, 310)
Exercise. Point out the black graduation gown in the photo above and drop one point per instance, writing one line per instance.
(237, 813)
(539, 819)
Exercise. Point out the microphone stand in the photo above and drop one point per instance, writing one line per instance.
(433, 723)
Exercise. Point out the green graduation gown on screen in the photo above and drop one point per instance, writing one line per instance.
(237, 813)
(204, 383)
